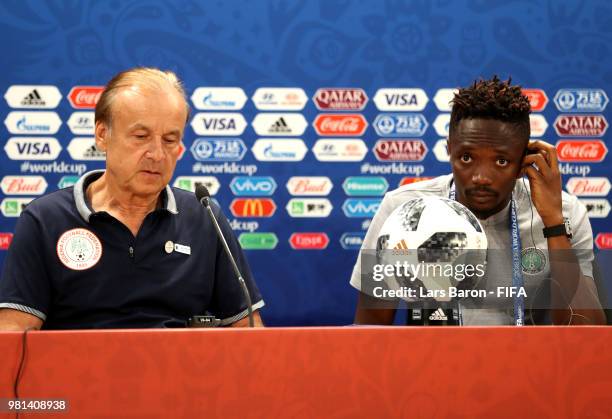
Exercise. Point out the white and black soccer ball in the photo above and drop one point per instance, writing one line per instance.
(432, 231)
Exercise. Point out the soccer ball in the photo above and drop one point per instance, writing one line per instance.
(435, 241)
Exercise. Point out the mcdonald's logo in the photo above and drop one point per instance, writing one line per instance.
(253, 207)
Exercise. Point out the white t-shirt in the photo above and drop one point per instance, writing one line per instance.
(497, 230)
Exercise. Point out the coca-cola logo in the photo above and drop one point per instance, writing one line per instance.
(537, 99)
(340, 99)
(581, 150)
(340, 125)
(581, 125)
(400, 150)
(588, 186)
(85, 97)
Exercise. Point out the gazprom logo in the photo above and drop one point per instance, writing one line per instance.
(222, 149)
(352, 241)
(361, 208)
(253, 186)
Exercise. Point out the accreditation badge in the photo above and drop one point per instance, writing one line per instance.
(79, 249)
(533, 260)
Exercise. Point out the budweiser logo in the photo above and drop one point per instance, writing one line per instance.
(314, 185)
(353, 124)
(85, 97)
(581, 151)
(594, 186)
(306, 186)
(23, 185)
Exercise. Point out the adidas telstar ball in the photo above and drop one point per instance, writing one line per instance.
(436, 246)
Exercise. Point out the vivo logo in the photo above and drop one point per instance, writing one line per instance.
(361, 208)
(253, 186)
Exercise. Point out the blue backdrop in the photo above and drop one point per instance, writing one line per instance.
(427, 44)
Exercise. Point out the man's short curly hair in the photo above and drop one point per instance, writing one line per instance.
(492, 99)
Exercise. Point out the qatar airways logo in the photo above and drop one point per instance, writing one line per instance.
(581, 125)
(581, 150)
(340, 99)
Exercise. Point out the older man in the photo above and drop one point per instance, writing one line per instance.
(122, 248)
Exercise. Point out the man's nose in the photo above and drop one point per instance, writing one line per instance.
(156, 149)
(482, 176)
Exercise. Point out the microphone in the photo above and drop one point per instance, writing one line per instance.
(203, 196)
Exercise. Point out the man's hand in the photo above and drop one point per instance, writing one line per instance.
(545, 181)
(15, 320)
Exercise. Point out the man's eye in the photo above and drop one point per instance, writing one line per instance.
(502, 162)
(466, 158)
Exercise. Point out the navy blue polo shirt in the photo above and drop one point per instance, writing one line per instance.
(75, 268)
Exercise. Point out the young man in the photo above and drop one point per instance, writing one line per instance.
(122, 248)
(488, 144)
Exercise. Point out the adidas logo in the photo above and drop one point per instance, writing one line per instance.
(401, 245)
(33, 99)
(438, 315)
(93, 151)
(280, 126)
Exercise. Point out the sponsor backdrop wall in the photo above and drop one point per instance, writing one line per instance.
(304, 113)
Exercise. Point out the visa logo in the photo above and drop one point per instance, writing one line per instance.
(29, 148)
(361, 208)
(253, 186)
(219, 124)
(33, 148)
(401, 100)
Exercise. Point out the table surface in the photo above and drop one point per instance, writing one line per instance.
(337, 372)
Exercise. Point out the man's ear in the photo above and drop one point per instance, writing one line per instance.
(102, 135)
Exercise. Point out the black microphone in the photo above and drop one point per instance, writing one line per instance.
(203, 196)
